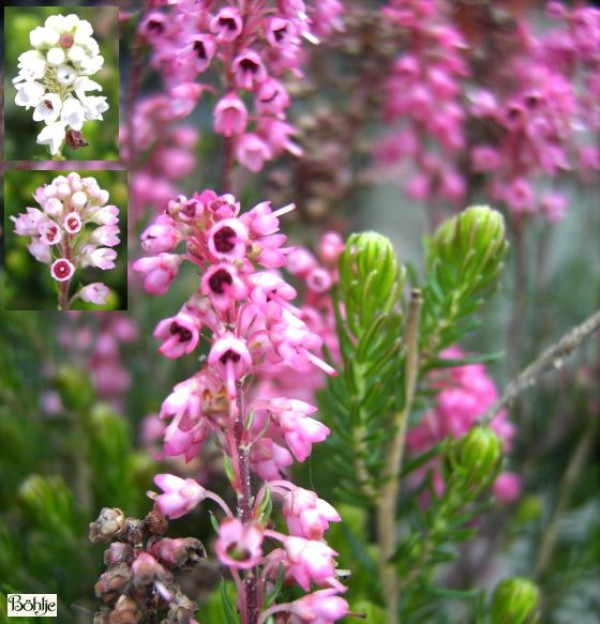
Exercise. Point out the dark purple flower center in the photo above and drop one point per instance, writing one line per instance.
(72, 223)
(228, 22)
(248, 66)
(184, 333)
(200, 50)
(156, 26)
(279, 33)
(218, 279)
(225, 239)
(189, 209)
(230, 355)
(48, 104)
(61, 269)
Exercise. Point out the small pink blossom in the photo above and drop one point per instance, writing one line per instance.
(179, 496)
(62, 270)
(227, 24)
(320, 607)
(50, 233)
(161, 236)
(507, 487)
(180, 335)
(248, 70)
(252, 151)
(158, 272)
(223, 285)
(307, 515)
(309, 561)
(106, 235)
(95, 293)
(72, 223)
(239, 546)
(100, 257)
(230, 115)
(228, 239)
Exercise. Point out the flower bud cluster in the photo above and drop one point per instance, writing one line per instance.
(139, 583)
(254, 44)
(462, 396)
(244, 308)
(54, 80)
(75, 228)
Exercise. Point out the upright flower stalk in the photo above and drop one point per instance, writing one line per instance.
(244, 308)
(54, 80)
(75, 228)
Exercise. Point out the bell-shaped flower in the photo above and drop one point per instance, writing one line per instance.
(239, 546)
(53, 136)
(179, 495)
(29, 94)
(97, 292)
(73, 113)
(48, 109)
(180, 335)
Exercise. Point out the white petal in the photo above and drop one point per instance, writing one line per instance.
(52, 135)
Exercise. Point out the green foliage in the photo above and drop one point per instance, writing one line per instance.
(360, 401)
(463, 260)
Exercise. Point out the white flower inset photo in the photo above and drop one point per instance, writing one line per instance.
(62, 73)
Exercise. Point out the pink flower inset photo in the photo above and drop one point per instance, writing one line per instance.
(63, 234)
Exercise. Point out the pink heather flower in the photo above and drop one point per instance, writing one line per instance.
(179, 333)
(53, 207)
(227, 24)
(320, 607)
(507, 487)
(107, 215)
(223, 285)
(299, 430)
(271, 98)
(277, 133)
(309, 561)
(72, 222)
(95, 293)
(307, 515)
(27, 224)
(331, 247)
(79, 199)
(230, 358)
(161, 236)
(230, 115)
(268, 459)
(179, 496)
(554, 206)
(106, 235)
(252, 151)
(100, 257)
(158, 272)
(239, 546)
(519, 196)
(280, 32)
(228, 239)
(49, 232)
(40, 251)
(62, 270)
(202, 50)
(248, 70)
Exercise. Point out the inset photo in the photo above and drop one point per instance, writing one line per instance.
(61, 83)
(65, 239)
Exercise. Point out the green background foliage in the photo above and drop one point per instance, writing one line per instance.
(28, 284)
(20, 129)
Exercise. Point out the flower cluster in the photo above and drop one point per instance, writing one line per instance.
(254, 43)
(60, 238)
(423, 101)
(54, 80)
(532, 115)
(462, 396)
(246, 308)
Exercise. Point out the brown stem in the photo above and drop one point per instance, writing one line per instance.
(250, 607)
(386, 509)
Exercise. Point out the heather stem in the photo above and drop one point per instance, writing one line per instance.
(389, 492)
(63, 295)
(245, 505)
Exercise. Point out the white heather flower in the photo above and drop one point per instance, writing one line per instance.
(29, 93)
(32, 66)
(79, 199)
(48, 109)
(55, 56)
(53, 207)
(52, 135)
(53, 78)
(95, 106)
(95, 293)
(106, 235)
(66, 75)
(84, 84)
(73, 113)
